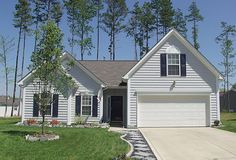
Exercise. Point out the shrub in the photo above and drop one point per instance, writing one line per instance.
(31, 122)
(216, 123)
(55, 122)
(80, 120)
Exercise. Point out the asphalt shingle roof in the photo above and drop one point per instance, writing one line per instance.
(109, 72)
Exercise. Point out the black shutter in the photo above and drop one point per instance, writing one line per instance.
(77, 105)
(183, 64)
(55, 105)
(163, 64)
(36, 105)
(95, 106)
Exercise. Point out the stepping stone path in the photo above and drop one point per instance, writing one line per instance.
(141, 147)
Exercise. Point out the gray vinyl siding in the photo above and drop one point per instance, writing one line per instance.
(28, 106)
(147, 77)
(86, 85)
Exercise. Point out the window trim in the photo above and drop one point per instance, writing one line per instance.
(167, 65)
(81, 104)
(47, 115)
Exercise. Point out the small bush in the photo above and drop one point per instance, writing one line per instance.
(80, 120)
(55, 122)
(31, 122)
(216, 123)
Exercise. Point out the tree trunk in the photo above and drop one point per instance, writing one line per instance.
(6, 83)
(81, 43)
(135, 49)
(157, 28)
(98, 28)
(146, 41)
(22, 68)
(113, 46)
(16, 71)
(43, 116)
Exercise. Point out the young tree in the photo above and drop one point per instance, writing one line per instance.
(47, 70)
(156, 13)
(225, 39)
(180, 22)
(6, 45)
(112, 21)
(19, 20)
(166, 15)
(194, 17)
(86, 11)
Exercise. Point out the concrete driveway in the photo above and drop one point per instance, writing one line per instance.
(191, 143)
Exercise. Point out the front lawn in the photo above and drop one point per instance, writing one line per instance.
(228, 121)
(74, 143)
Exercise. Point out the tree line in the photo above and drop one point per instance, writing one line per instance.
(139, 22)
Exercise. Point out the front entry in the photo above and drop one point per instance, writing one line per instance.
(117, 110)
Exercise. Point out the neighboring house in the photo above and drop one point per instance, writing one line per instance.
(232, 101)
(173, 85)
(9, 106)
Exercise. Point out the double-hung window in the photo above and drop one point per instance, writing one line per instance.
(173, 64)
(86, 105)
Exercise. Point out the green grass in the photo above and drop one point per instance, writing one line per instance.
(74, 143)
(229, 121)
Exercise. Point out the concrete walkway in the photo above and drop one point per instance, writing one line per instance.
(191, 143)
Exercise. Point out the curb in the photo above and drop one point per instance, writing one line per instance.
(151, 146)
(131, 146)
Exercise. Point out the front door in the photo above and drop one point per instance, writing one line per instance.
(116, 108)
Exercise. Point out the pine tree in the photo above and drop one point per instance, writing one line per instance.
(38, 17)
(194, 17)
(225, 39)
(166, 15)
(99, 6)
(180, 22)
(72, 12)
(112, 20)
(132, 27)
(147, 23)
(86, 11)
(20, 21)
(57, 12)
(156, 13)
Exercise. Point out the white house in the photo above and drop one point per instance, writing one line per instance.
(9, 106)
(173, 85)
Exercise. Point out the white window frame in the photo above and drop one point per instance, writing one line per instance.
(48, 115)
(167, 65)
(81, 104)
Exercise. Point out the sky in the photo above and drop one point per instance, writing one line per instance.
(213, 11)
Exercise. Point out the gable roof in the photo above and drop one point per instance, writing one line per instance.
(186, 43)
(109, 72)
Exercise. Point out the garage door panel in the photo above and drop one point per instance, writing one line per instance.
(154, 111)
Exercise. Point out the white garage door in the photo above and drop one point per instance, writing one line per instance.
(172, 111)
